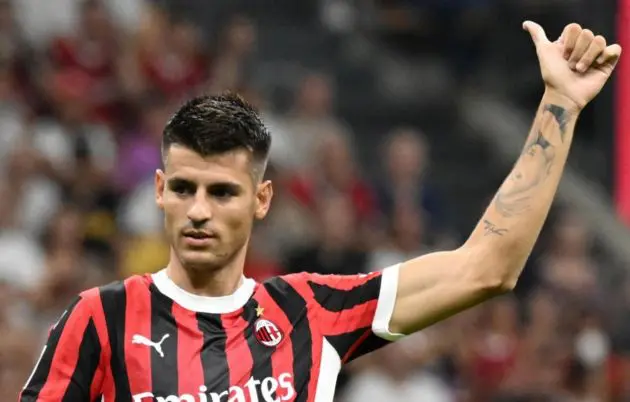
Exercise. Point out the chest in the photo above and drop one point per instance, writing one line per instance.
(255, 351)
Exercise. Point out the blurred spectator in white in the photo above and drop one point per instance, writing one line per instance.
(307, 125)
(21, 258)
(401, 371)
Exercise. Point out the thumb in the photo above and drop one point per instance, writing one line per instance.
(536, 31)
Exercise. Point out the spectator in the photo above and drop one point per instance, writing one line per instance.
(405, 177)
(91, 50)
(309, 123)
(336, 251)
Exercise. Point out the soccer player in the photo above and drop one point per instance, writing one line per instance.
(198, 331)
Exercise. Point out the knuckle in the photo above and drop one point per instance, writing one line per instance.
(588, 33)
(599, 41)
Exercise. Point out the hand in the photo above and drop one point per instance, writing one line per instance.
(577, 65)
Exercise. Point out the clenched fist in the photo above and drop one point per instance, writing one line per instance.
(577, 65)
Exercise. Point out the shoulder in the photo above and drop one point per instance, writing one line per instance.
(114, 291)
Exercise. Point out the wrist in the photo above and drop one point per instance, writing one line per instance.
(552, 96)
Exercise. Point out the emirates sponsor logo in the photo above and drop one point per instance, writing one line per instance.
(282, 387)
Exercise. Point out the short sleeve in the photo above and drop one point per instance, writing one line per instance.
(353, 311)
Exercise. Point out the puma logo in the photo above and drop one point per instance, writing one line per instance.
(141, 340)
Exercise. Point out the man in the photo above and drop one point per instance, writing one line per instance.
(198, 331)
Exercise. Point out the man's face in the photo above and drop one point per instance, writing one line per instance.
(209, 204)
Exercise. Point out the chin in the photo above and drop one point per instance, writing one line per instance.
(201, 260)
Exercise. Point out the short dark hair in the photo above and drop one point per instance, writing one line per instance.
(210, 125)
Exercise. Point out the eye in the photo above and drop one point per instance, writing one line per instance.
(223, 191)
(181, 187)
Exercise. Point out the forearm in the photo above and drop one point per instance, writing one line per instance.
(510, 226)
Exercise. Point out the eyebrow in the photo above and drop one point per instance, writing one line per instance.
(223, 183)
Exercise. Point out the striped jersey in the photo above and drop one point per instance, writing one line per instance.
(145, 339)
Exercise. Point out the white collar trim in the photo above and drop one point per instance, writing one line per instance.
(204, 304)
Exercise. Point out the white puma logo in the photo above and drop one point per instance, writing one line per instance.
(141, 340)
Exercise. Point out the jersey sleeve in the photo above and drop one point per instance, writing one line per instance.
(67, 369)
(353, 311)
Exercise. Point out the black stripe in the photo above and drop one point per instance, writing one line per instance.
(89, 357)
(342, 343)
(216, 372)
(336, 300)
(40, 375)
(164, 376)
(114, 299)
(261, 354)
(295, 308)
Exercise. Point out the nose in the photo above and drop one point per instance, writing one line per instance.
(200, 212)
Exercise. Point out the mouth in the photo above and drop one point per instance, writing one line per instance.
(198, 238)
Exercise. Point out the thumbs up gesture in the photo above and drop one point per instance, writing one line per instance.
(577, 65)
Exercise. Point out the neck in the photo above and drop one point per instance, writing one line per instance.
(216, 282)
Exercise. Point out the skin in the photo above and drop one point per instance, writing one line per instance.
(217, 195)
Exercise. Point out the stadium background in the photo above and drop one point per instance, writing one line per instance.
(393, 121)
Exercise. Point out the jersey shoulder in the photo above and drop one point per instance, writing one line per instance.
(116, 290)
(311, 285)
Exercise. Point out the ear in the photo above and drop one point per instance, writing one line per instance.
(160, 182)
(264, 194)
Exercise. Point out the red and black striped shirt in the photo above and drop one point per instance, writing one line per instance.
(145, 339)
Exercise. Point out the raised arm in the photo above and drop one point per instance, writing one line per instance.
(435, 286)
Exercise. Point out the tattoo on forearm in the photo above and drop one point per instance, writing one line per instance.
(491, 228)
(535, 163)
(562, 117)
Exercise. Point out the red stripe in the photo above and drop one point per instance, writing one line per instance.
(137, 322)
(356, 344)
(66, 354)
(299, 282)
(344, 321)
(189, 345)
(622, 116)
(108, 389)
(239, 357)
(92, 299)
(282, 359)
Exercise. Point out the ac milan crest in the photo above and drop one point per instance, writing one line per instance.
(267, 332)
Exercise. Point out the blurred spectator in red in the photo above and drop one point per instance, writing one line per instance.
(232, 68)
(337, 174)
(92, 51)
(567, 264)
(170, 57)
(336, 251)
(405, 183)
(492, 348)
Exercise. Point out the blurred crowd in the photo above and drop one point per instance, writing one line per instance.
(81, 114)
